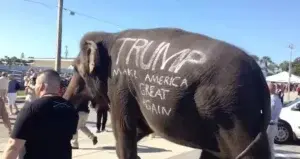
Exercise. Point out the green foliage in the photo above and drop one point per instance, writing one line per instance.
(266, 62)
(273, 68)
(12, 61)
(22, 55)
(284, 66)
(295, 66)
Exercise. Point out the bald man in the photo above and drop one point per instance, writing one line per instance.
(276, 106)
(45, 126)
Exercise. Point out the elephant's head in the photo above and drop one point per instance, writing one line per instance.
(91, 68)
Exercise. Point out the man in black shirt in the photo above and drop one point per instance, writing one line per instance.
(44, 127)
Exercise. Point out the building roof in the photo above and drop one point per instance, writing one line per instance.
(50, 59)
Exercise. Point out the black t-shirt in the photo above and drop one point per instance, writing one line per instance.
(47, 124)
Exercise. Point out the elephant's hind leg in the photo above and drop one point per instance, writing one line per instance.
(233, 141)
(142, 129)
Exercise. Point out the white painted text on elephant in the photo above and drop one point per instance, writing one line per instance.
(127, 72)
(159, 56)
(153, 91)
(156, 109)
(166, 80)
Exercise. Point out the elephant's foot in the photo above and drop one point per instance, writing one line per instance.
(207, 155)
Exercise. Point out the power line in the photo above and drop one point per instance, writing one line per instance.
(40, 3)
(72, 12)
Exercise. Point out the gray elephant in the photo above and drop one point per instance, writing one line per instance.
(188, 88)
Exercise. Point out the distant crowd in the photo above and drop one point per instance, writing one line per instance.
(282, 88)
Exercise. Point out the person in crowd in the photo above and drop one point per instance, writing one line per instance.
(82, 107)
(26, 81)
(101, 108)
(63, 86)
(3, 86)
(276, 106)
(45, 126)
(4, 115)
(280, 92)
(298, 89)
(13, 87)
(30, 89)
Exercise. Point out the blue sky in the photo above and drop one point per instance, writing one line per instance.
(264, 28)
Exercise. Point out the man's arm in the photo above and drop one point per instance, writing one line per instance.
(21, 132)
(13, 148)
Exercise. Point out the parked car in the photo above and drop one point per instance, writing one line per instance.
(3, 70)
(289, 123)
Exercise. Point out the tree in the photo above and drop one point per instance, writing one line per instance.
(268, 66)
(271, 66)
(10, 61)
(22, 55)
(7, 61)
(296, 66)
(284, 66)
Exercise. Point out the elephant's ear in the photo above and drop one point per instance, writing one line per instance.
(92, 55)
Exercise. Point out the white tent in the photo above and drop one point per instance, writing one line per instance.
(283, 77)
(70, 67)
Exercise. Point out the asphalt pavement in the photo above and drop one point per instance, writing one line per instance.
(291, 151)
(282, 152)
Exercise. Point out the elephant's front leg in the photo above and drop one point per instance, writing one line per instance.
(124, 124)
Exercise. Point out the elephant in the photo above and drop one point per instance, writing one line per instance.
(186, 87)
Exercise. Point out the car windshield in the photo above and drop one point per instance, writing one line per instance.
(292, 102)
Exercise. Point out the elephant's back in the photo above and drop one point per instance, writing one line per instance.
(179, 62)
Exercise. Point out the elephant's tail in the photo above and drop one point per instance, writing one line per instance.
(264, 97)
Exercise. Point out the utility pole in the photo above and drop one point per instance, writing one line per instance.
(59, 33)
(291, 47)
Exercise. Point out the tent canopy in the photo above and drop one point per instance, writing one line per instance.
(283, 77)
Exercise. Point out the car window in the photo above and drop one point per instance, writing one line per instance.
(292, 102)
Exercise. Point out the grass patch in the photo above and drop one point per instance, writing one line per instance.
(21, 93)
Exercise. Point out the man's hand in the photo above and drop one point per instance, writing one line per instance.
(13, 148)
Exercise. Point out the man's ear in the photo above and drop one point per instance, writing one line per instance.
(92, 54)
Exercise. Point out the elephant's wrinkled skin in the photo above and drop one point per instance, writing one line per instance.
(78, 94)
(188, 88)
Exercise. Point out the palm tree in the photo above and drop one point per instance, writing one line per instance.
(22, 55)
(271, 67)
